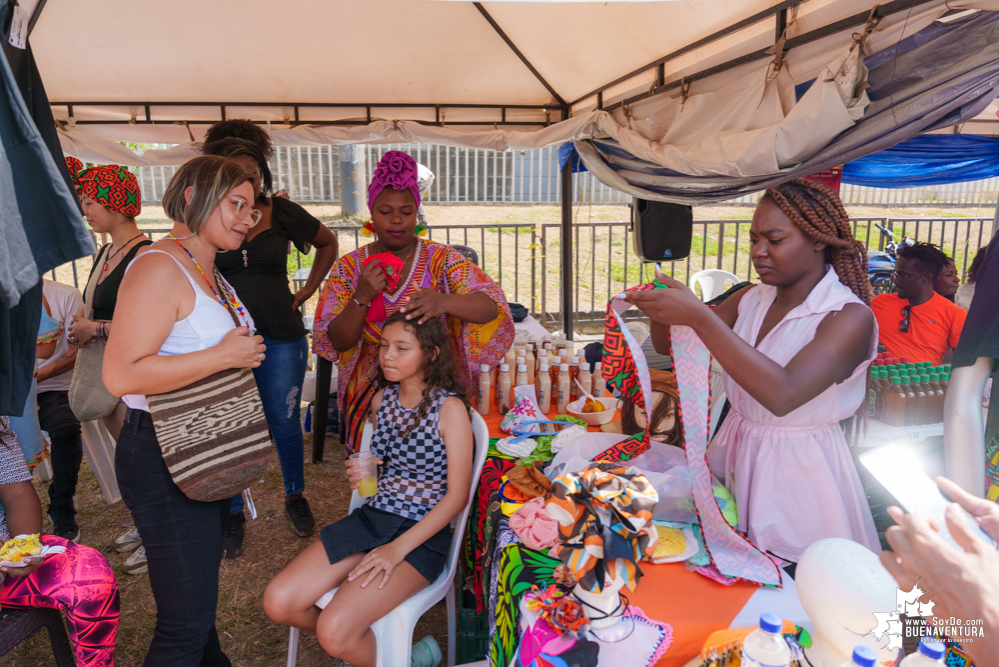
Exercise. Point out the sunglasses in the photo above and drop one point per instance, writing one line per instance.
(903, 326)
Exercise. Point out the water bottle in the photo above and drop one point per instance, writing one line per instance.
(863, 656)
(930, 654)
(765, 646)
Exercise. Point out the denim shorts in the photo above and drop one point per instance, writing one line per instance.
(367, 528)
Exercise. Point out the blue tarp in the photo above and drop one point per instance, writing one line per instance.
(931, 159)
(941, 76)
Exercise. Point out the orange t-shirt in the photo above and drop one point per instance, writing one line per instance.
(934, 327)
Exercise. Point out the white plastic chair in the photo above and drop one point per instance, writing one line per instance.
(394, 631)
(712, 282)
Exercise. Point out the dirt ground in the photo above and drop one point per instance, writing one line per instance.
(248, 636)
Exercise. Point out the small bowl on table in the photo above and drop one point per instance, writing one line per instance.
(610, 404)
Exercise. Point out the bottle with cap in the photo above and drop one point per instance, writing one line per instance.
(930, 654)
(564, 386)
(863, 656)
(554, 366)
(522, 375)
(935, 392)
(597, 378)
(584, 377)
(924, 396)
(573, 376)
(765, 646)
(912, 405)
(485, 396)
(894, 403)
(504, 389)
(531, 363)
(543, 388)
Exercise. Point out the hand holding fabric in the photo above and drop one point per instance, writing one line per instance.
(676, 305)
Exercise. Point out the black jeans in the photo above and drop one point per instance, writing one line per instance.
(183, 541)
(57, 418)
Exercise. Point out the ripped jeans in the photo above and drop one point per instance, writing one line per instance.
(279, 379)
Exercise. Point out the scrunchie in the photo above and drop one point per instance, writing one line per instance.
(534, 525)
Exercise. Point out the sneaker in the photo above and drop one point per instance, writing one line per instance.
(136, 563)
(127, 541)
(232, 541)
(65, 526)
(426, 653)
(298, 512)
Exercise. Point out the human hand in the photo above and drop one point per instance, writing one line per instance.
(355, 474)
(676, 305)
(380, 560)
(33, 563)
(426, 303)
(242, 350)
(81, 331)
(963, 584)
(371, 282)
(301, 296)
(985, 512)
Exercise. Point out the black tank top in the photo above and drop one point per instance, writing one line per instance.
(106, 292)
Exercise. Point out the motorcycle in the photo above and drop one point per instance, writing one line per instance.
(881, 264)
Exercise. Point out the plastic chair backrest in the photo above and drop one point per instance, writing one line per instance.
(470, 253)
(480, 436)
(712, 282)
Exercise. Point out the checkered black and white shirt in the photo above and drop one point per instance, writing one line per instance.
(414, 474)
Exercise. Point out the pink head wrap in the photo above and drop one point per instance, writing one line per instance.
(396, 170)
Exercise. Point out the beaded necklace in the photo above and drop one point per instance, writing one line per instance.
(229, 299)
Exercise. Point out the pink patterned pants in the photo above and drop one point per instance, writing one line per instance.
(80, 582)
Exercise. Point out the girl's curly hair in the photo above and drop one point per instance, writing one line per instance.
(439, 372)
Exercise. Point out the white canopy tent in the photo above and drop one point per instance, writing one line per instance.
(703, 87)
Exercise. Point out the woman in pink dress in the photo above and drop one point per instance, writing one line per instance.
(795, 349)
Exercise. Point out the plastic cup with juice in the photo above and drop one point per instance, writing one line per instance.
(368, 464)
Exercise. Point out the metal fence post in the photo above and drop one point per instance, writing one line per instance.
(565, 248)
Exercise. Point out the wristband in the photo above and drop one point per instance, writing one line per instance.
(362, 305)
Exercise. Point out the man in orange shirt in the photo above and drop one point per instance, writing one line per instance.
(916, 322)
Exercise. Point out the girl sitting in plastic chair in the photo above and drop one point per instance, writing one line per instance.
(397, 543)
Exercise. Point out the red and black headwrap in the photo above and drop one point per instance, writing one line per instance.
(113, 187)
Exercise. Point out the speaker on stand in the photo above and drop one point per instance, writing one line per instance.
(662, 231)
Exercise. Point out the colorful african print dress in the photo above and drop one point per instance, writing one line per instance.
(435, 266)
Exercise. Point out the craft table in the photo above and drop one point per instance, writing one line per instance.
(692, 604)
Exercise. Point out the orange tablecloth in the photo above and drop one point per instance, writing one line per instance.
(692, 604)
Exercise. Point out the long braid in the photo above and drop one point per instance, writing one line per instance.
(817, 211)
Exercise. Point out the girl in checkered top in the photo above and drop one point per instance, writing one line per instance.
(398, 542)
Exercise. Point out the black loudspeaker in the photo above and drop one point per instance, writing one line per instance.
(662, 231)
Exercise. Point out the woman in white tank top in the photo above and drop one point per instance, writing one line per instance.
(172, 328)
(795, 350)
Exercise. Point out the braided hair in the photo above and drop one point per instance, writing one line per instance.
(817, 211)
(439, 373)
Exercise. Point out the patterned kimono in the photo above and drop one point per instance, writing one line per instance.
(437, 267)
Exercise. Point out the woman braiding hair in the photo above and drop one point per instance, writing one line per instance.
(795, 349)
(817, 210)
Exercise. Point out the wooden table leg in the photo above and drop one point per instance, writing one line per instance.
(324, 369)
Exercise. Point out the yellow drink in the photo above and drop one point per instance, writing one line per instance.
(368, 487)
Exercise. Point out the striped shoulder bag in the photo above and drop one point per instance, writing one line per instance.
(213, 433)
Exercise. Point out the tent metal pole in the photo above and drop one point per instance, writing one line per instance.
(565, 246)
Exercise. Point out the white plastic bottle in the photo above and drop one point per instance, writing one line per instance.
(485, 396)
(584, 376)
(930, 654)
(521, 375)
(863, 656)
(543, 386)
(597, 377)
(564, 385)
(504, 389)
(765, 646)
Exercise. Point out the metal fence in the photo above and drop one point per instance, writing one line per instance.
(468, 175)
(525, 260)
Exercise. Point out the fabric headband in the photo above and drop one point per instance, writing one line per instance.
(605, 523)
(113, 187)
(396, 170)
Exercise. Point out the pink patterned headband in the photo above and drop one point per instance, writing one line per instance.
(396, 170)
